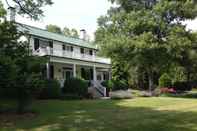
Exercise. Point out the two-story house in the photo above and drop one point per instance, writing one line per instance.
(68, 57)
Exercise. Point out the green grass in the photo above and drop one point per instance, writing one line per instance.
(139, 114)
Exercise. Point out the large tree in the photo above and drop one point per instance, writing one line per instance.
(147, 33)
(20, 71)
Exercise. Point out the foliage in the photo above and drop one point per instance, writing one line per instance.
(50, 90)
(115, 85)
(182, 86)
(31, 8)
(75, 86)
(19, 70)
(66, 31)
(54, 29)
(148, 34)
(165, 80)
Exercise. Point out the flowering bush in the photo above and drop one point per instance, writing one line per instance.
(167, 90)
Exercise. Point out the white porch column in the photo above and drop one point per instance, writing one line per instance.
(94, 73)
(74, 70)
(48, 70)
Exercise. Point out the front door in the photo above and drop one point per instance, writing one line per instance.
(67, 74)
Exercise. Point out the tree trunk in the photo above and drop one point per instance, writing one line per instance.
(150, 82)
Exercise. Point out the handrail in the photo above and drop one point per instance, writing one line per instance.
(100, 88)
(69, 54)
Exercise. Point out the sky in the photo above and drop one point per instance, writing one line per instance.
(78, 14)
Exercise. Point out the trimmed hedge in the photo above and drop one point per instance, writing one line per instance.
(51, 90)
(76, 87)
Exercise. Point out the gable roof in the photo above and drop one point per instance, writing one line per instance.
(54, 36)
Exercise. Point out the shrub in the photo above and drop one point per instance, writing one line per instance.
(75, 86)
(51, 90)
(120, 85)
(165, 81)
(115, 85)
(8, 93)
(182, 86)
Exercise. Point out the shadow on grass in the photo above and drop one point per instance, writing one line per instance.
(106, 115)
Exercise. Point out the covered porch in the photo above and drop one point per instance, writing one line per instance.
(62, 72)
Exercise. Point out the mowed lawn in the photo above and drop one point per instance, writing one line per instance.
(139, 114)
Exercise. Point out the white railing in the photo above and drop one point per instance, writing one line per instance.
(69, 54)
(100, 88)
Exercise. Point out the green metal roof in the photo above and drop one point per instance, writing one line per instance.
(54, 36)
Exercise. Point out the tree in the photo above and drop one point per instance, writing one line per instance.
(54, 29)
(32, 8)
(66, 31)
(19, 69)
(146, 33)
(74, 33)
(70, 32)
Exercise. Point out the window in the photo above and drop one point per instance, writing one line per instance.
(90, 52)
(36, 43)
(63, 47)
(71, 48)
(82, 50)
(51, 44)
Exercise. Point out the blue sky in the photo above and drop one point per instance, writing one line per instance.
(79, 14)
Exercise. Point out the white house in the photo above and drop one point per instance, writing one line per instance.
(68, 57)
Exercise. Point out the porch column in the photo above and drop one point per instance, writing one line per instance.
(110, 74)
(74, 70)
(94, 74)
(48, 70)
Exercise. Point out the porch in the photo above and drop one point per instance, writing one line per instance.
(94, 74)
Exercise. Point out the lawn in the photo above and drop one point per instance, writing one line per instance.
(139, 114)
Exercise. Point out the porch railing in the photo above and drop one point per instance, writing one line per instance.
(69, 54)
(101, 89)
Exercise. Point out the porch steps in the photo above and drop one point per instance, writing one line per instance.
(95, 93)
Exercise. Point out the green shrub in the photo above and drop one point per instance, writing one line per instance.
(182, 86)
(108, 84)
(165, 81)
(115, 85)
(120, 85)
(51, 90)
(75, 86)
(8, 93)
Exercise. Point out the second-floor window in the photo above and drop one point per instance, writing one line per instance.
(51, 44)
(63, 47)
(67, 48)
(90, 52)
(36, 43)
(82, 50)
